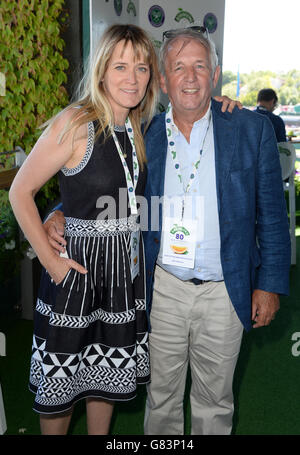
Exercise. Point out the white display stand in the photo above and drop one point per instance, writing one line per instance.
(287, 155)
(3, 426)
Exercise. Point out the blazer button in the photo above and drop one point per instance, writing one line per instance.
(156, 240)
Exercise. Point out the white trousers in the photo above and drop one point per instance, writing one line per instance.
(195, 325)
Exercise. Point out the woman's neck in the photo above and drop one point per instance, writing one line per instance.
(120, 117)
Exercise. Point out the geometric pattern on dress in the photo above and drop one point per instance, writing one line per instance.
(143, 365)
(43, 308)
(143, 368)
(87, 155)
(142, 343)
(35, 372)
(61, 377)
(62, 365)
(76, 227)
(58, 391)
(109, 357)
(38, 347)
(55, 391)
(79, 322)
(140, 304)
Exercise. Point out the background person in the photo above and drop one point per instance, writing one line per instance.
(266, 103)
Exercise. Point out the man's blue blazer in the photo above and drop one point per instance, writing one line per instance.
(254, 229)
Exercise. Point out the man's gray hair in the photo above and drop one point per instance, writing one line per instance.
(191, 34)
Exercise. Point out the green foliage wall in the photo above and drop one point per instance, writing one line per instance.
(32, 61)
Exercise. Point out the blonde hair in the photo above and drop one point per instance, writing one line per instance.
(91, 100)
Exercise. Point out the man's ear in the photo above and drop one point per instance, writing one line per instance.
(163, 84)
(216, 76)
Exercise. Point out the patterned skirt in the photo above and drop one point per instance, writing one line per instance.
(90, 331)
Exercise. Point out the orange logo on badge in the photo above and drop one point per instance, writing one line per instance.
(179, 249)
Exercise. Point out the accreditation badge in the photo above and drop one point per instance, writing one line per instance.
(179, 242)
(135, 260)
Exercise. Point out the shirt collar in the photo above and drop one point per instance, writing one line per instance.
(261, 108)
(201, 123)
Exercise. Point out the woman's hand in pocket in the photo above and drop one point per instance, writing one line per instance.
(59, 267)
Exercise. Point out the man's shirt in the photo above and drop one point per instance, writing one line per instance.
(207, 252)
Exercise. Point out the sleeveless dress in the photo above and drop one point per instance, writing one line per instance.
(90, 331)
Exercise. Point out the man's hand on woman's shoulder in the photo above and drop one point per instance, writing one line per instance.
(228, 103)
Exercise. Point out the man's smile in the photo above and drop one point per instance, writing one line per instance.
(190, 90)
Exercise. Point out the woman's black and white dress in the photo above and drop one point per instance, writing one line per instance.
(90, 331)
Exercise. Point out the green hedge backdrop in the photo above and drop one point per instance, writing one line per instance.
(31, 58)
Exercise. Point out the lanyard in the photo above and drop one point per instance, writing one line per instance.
(172, 151)
(131, 186)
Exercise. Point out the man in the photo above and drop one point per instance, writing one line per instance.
(224, 170)
(198, 313)
(266, 103)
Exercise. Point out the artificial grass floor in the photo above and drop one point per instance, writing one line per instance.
(266, 384)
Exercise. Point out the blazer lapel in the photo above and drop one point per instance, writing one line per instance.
(225, 139)
(156, 153)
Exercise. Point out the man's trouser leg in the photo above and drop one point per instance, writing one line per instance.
(215, 339)
(168, 343)
(177, 316)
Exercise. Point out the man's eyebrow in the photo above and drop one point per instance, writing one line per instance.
(201, 60)
(177, 62)
(180, 62)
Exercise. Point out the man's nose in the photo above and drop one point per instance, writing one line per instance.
(190, 74)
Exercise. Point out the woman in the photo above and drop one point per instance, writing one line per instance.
(90, 336)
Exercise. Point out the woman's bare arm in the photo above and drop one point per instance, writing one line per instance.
(45, 160)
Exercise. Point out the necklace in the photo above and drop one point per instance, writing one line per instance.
(122, 129)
